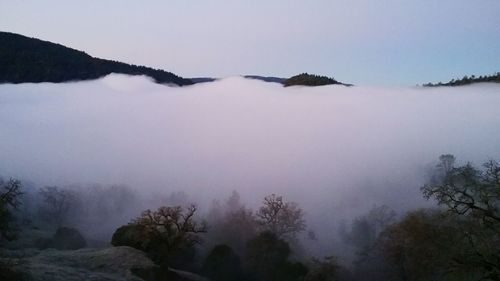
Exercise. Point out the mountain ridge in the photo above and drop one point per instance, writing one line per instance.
(467, 80)
(26, 59)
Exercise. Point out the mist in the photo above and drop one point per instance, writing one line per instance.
(335, 150)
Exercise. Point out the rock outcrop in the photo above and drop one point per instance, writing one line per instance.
(113, 263)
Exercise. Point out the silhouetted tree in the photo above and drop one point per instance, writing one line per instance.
(56, 204)
(223, 264)
(466, 191)
(280, 217)
(267, 259)
(474, 196)
(10, 193)
(168, 234)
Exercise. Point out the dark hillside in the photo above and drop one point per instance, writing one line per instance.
(306, 79)
(466, 80)
(24, 59)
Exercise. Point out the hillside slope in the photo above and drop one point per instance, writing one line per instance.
(466, 80)
(24, 59)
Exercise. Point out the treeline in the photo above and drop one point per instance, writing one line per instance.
(466, 80)
(457, 240)
(25, 59)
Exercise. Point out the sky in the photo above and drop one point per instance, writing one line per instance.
(365, 42)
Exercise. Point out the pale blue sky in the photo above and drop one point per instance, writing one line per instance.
(369, 42)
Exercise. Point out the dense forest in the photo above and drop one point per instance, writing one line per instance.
(25, 59)
(458, 239)
(466, 80)
(306, 79)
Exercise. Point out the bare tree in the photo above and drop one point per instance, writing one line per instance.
(474, 196)
(10, 193)
(57, 203)
(280, 217)
(466, 190)
(175, 228)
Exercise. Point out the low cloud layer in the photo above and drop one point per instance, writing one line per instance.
(331, 146)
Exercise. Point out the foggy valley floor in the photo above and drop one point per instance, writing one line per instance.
(349, 163)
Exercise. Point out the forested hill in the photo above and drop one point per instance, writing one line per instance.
(306, 79)
(24, 59)
(466, 80)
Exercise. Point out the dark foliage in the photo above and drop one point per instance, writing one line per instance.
(323, 270)
(473, 195)
(223, 264)
(291, 271)
(267, 260)
(306, 79)
(25, 59)
(131, 235)
(466, 80)
(422, 246)
(10, 193)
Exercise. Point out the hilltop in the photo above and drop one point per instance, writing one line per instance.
(25, 59)
(306, 79)
(466, 80)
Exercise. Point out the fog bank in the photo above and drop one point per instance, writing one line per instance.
(334, 147)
